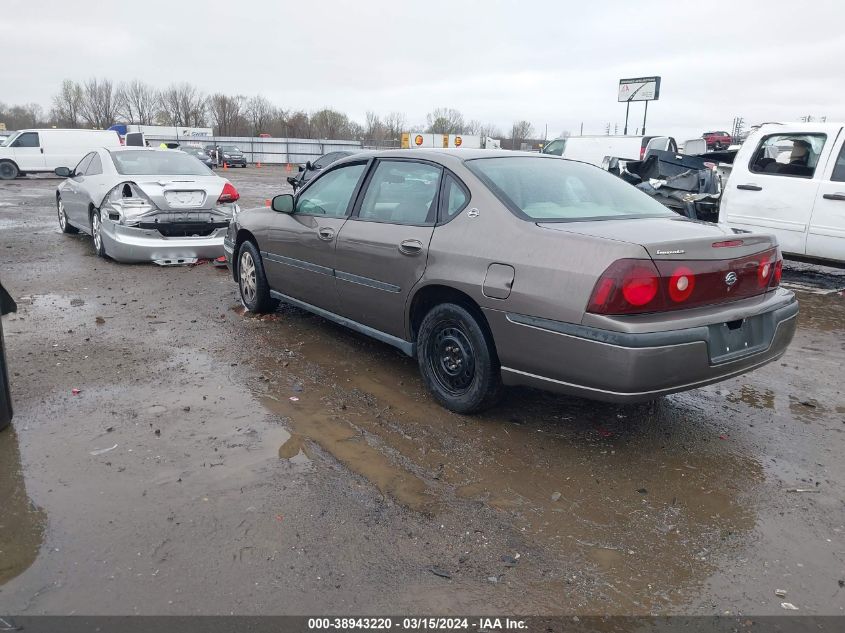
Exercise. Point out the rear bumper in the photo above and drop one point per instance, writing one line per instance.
(632, 367)
(133, 245)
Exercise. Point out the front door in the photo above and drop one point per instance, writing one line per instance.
(73, 195)
(300, 249)
(383, 249)
(826, 237)
(775, 192)
(29, 155)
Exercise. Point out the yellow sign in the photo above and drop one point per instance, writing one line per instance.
(418, 139)
(458, 141)
(2, 127)
(406, 140)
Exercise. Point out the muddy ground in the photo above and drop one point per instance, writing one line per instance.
(183, 479)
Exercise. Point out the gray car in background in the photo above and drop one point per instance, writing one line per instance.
(496, 268)
(200, 154)
(142, 205)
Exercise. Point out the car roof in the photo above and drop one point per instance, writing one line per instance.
(441, 155)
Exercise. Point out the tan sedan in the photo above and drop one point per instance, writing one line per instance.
(497, 268)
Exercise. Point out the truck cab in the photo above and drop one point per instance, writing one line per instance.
(789, 180)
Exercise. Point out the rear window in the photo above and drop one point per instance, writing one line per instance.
(549, 190)
(164, 163)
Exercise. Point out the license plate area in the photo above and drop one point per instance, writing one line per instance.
(184, 199)
(735, 339)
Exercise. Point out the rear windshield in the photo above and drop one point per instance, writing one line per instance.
(553, 189)
(163, 163)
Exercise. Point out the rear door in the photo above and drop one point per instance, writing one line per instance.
(826, 236)
(775, 189)
(28, 152)
(383, 249)
(299, 253)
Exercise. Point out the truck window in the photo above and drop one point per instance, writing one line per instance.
(27, 139)
(838, 174)
(793, 155)
(555, 147)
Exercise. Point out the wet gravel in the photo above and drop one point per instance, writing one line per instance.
(183, 478)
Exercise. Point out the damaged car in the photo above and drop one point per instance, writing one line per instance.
(147, 205)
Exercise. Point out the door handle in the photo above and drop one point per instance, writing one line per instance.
(410, 247)
(42, 149)
(326, 234)
(750, 187)
(834, 196)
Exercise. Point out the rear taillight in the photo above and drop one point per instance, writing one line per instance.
(642, 152)
(637, 286)
(229, 194)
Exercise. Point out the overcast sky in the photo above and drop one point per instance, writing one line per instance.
(553, 63)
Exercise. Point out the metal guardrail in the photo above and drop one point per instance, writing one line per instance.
(271, 151)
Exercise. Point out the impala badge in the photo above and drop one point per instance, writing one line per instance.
(472, 213)
(730, 279)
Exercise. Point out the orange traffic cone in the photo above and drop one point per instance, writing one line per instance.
(225, 165)
(288, 167)
(267, 203)
(258, 164)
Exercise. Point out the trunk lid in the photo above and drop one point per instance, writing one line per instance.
(672, 238)
(182, 193)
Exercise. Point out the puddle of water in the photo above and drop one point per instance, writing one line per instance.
(21, 523)
(759, 399)
(623, 498)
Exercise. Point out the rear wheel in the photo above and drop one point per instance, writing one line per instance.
(64, 225)
(8, 170)
(252, 282)
(457, 359)
(97, 233)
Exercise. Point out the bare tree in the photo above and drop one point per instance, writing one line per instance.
(138, 102)
(521, 131)
(182, 104)
(260, 113)
(483, 129)
(445, 121)
(99, 102)
(328, 123)
(67, 104)
(227, 113)
(297, 125)
(21, 116)
(395, 124)
(374, 129)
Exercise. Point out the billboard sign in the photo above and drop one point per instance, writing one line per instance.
(639, 89)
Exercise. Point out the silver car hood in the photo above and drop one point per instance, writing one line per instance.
(179, 193)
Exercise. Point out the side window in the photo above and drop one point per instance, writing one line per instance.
(95, 167)
(402, 192)
(788, 155)
(838, 174)
(555, 147)
(83, 165)
(27, 139)
(330, 194)
(455, 198)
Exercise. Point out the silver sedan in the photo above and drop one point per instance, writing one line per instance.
(142, 205)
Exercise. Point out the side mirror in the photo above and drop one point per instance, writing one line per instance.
(291, 180)
(308, 165)
(300, 169)
(63, 172)
(283, 203)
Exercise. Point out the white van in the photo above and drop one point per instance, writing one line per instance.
(594, 149)
(788, 179)
(33, 151)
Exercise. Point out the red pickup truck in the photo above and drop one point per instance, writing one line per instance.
(717, 140)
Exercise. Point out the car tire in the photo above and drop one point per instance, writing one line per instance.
(252, 282)
(64, 225)
(97, 234)
(8, 170)
(458, 360)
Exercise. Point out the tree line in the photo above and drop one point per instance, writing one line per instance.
(99, 103)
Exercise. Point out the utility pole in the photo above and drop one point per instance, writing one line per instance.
(582, 128)
(645, 115)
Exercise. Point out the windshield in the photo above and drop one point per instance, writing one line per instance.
(163, 163)
(230, 148)
(550, 189)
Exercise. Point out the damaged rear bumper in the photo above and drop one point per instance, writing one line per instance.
(133, 245)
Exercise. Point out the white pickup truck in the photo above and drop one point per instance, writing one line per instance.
(788, 179)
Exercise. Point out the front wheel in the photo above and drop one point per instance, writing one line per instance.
(457, 359)
(252, 282)
(97, 233)
(64, 225)
(8, 170)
